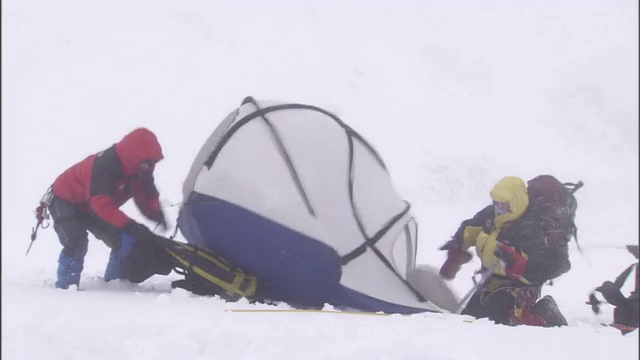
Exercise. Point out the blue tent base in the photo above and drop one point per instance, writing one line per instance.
(290, 266)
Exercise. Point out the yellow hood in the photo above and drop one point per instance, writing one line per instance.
(513, 191)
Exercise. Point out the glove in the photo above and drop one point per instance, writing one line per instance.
(160, 220)
(456, 257)
(514, 263)
(139, 231)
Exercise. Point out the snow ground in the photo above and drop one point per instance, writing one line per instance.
(454, 95)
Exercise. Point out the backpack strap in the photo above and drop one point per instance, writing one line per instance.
(573, 187)
(209, 274)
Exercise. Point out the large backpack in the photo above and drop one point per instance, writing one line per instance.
(208, 274)
(554, 205)
(205, 273)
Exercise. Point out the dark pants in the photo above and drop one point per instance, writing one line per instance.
(72, 226)
(501, 301)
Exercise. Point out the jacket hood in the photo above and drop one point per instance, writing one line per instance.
(511, 190)
(139, 145)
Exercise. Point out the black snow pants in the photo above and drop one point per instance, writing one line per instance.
(72, 226)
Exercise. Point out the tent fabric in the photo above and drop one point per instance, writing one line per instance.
(293, 195)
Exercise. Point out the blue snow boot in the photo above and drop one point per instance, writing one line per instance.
(117, 257)
(69, 269)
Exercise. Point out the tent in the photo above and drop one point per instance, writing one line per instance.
(293, 195)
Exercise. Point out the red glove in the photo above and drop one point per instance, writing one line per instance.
(515, 263)
(456, 257)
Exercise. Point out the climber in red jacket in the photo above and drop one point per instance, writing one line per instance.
(87, 197)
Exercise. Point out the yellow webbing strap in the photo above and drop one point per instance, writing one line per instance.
(233, 288)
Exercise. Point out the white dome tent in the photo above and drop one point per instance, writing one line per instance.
(290, 193)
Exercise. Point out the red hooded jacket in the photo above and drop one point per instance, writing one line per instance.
(103, 182)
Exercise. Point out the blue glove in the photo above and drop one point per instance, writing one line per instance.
(117, 257)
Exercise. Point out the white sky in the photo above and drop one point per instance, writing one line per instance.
(454, 95)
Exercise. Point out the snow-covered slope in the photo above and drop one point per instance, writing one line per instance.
(454, 95)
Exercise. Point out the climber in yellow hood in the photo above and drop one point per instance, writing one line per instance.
(511, 242)
(510, 201)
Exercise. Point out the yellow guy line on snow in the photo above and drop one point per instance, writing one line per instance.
(323, 311)
(308, 311)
